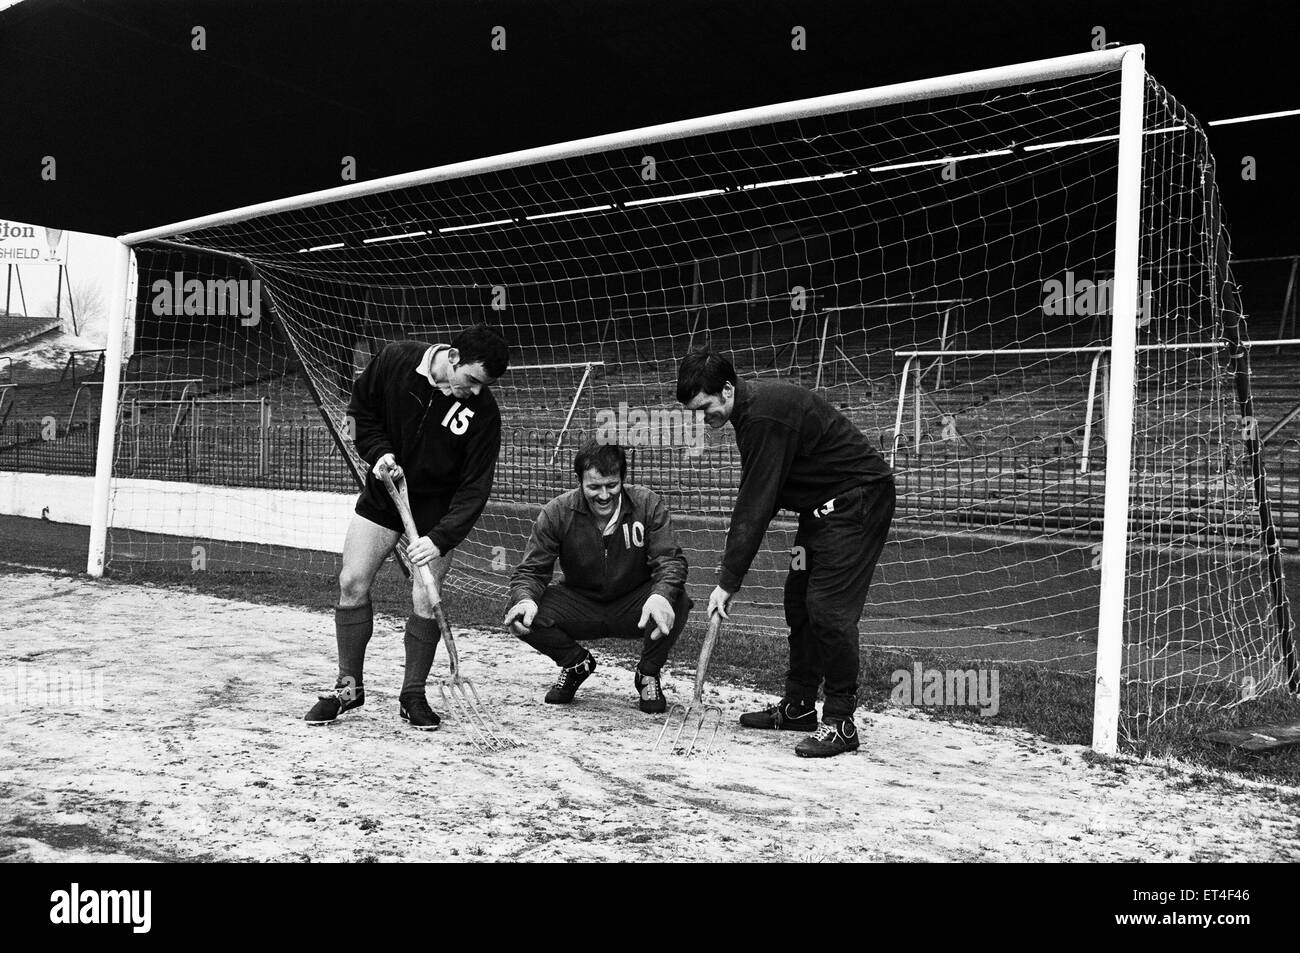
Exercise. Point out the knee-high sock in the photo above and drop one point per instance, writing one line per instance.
(421, 644)
(353, 626)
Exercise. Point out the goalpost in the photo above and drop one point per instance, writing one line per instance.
(1153, 568)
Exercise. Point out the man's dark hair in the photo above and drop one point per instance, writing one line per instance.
(477, 344)
(605, 458)
(703, 372)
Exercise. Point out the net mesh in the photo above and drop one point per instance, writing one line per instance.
(937, 269)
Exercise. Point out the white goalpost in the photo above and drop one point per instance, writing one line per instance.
(832, 241)
(118, 310)
(1119, 424)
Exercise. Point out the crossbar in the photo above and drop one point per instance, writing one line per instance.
(1093, 349)
(1060, 67)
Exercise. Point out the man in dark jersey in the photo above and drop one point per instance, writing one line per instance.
(624, 577)
(424, 412)
(799, 453)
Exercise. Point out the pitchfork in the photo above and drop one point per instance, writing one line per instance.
(696, 712)
(458, 694)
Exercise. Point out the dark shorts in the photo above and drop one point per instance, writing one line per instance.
(375, 505)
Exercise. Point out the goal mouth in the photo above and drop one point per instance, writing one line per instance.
(1014, 281)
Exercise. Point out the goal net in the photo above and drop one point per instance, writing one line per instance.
(935, 258)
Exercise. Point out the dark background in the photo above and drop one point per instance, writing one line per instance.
(147, 131)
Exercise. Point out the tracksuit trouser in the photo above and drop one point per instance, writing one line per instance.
(566, 618)
(834, 559)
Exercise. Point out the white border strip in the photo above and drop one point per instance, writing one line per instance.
(301, 519)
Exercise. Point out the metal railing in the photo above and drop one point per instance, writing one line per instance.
(1019, 488)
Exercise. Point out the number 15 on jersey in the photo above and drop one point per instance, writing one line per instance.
(457, 423)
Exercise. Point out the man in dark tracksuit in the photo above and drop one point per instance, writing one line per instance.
(424, 412)
(624, 577)
(799, 453)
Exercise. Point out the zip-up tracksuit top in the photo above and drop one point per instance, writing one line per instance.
(796, 453)
(643, 548)
(447, 446)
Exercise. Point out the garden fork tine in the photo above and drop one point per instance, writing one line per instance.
(697, 710)
(460, 697)
(458, 694)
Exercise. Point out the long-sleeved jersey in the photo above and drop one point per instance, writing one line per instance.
(642, 548)
(447, 446)
(796, 453)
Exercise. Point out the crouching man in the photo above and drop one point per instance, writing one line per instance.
(624, 577)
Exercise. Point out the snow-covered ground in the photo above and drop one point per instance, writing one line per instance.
(199, 751)
(50, 353)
